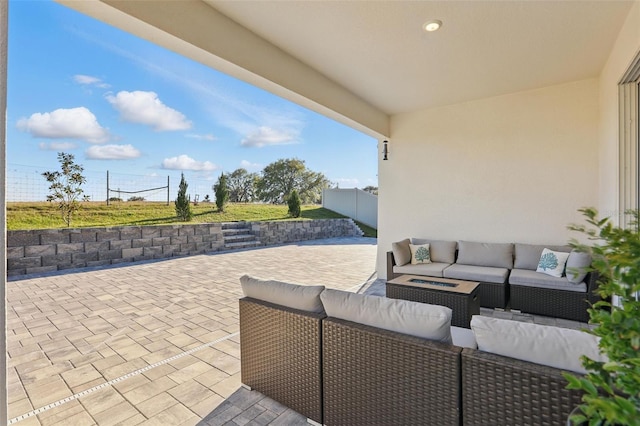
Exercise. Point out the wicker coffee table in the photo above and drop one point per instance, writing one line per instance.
(461, 296)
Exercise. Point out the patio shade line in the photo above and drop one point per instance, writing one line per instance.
(356, 288)
(117, 380)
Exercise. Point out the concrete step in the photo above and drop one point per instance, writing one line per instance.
(235, 231)
(239, 238)
(241, 245)
(234, 225)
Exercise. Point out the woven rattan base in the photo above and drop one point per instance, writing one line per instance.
(280, 355)
(377, 377)
(505, 391)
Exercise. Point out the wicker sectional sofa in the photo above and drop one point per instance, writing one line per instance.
(356, 364)
(507, 275)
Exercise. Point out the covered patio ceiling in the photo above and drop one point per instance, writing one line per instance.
(361, 62)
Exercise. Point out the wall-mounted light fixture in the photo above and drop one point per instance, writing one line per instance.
(385, 150)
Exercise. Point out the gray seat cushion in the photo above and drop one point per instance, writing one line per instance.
(497, 255)
(441, 251)
(528, 255)
(429, 269)
(476, 273)
(525, 277)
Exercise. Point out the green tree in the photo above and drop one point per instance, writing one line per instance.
(294, 204)
(371, 189)
(242, 186)
(183, 206)
(66, 186)
(221, 189)
(283, 176)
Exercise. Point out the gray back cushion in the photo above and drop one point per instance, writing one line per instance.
(416, 319)
(577, 266)
(441, 251)
(528, 255)
(497, 255)
(401, 252)
(541, 344)
(302, 297)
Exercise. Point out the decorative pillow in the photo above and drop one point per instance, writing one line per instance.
(420, 254)
(577, 266)
(552, 262)
(401, 252)
(441, 251)
(528, 255)
(302, 297)
(541, 344)
(402, 316)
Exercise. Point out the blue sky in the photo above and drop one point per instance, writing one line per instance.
(122, 104)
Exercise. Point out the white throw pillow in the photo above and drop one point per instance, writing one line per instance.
(552, 262)
(541, 344)
(414, 318)
(302, 297)
(420, 254)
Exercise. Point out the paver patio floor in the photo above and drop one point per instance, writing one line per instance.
(150, 343)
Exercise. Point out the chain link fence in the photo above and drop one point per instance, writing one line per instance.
(26, 184)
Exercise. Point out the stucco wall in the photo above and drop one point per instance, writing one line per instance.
(38, 251)
(512, 168)
(626, 47)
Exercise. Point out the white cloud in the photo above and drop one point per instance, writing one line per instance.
(250, 166)
(57, 146)
(264, 136)
(87, 80)
(214, 94)
(146, 108)
(112, 152)
(205, 137)
(74, 123)
(184, 162)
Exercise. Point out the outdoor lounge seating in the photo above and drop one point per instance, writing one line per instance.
(507, 274)
(280, 343)
(375, 372)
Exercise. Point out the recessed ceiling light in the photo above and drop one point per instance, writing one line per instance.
(433, 25)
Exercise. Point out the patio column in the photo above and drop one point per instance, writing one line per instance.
(4, 14)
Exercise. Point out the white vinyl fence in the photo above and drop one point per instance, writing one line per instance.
(355, 203)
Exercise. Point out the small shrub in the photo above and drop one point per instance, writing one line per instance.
(294, 204)
(183, 206)
(115, 199)
(136, 198)
(222, 192)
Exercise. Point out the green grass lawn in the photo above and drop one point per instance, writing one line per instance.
(45, 215)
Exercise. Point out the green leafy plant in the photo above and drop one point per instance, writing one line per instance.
(221, 189)
(66, 186)
(294, 204)
(612, 388)
(183, 206)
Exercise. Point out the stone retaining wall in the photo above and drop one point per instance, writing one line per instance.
(37, 251)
